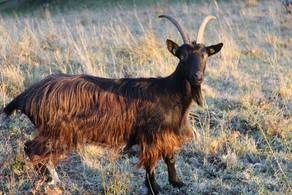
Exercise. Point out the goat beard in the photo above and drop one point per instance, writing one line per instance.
(197, 95)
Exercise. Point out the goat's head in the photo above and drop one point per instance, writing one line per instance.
(192, 55)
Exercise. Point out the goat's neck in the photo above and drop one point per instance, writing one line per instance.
(182, 87)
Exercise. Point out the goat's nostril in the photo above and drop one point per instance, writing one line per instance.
(198, 77)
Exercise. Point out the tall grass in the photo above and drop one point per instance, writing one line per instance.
(246, 122)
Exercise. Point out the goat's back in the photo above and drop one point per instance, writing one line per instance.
(81, 108)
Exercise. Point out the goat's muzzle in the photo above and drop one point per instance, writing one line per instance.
(197, 79)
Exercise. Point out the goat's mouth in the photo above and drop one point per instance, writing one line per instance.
(197, 82)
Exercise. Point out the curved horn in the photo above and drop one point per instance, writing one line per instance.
(200, 35)
(184, 36)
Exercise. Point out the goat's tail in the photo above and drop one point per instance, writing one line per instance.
(13, 105)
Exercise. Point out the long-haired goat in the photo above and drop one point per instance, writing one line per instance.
(68, 111)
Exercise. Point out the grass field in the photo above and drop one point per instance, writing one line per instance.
(245, 128)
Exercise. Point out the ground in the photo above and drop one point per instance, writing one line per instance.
(244, 129)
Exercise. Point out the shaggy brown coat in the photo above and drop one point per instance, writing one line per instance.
(75, 110)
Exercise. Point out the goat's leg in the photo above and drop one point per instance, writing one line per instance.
(44, 161)
(47, 175)
(47, 172)
(55, 178)
(150, 182)
(35, 150)
(172, 176)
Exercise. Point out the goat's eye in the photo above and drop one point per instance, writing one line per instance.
(183, 56)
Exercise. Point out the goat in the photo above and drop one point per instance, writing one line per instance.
(73, 110)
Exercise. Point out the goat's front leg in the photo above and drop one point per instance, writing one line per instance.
(172, 177)
(153, 187)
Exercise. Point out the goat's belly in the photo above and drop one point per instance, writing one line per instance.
(109, 131)
(72, 131)
(106, 137)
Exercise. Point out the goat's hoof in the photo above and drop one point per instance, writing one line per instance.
(177, 184)
(153, 192)
(154, 189)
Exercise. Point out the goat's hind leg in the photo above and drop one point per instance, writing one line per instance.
(52, 169)
(43, 160)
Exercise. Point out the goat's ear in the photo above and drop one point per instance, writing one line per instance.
(171, 46)
(213, 49)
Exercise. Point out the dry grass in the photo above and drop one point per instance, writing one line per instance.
(245, 130)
